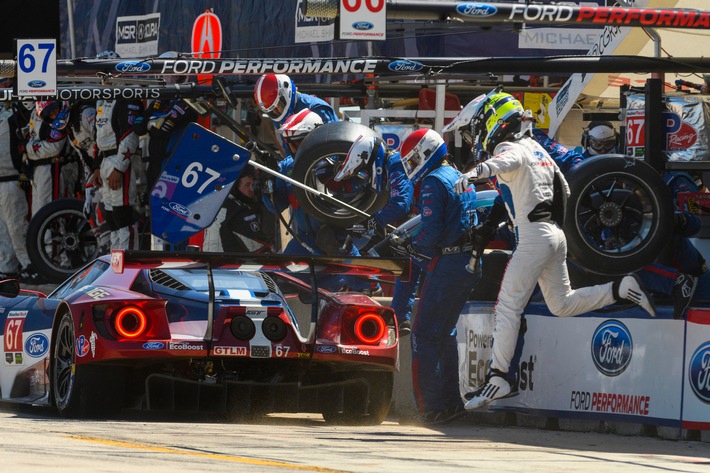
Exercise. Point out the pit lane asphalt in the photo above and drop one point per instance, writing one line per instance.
(34, 439)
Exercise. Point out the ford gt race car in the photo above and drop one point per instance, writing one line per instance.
(237, 335)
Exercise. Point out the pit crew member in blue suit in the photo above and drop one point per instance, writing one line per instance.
(445, 240)
(370, 155)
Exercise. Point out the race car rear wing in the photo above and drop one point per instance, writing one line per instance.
(355, 266)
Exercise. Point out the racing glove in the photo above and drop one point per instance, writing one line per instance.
(24, 182)
(89, 192)
(482, 170)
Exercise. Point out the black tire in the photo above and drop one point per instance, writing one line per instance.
(316, 162)
(60, 240)
(364, 406)
(619, 215)
(82, 390)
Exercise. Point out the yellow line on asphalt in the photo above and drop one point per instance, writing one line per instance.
(213, 456)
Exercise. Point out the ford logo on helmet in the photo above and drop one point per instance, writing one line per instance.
(476, 9)
(363, 25)
(699, 372)
(405, 65)
(36, 84)
(181, 209)
(612, 347)
(132, 66)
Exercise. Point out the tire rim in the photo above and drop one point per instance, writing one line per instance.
(355, 191)
(616, 215)
(66, 241)
(64, 362)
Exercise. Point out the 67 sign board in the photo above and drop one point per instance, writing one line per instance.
(36, 67)
(363, 19)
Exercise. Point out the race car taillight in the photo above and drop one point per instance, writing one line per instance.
(130, 322)
(370, 328)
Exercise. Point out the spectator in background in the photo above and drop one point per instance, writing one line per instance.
(44, 144)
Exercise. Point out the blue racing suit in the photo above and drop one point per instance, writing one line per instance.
(565, 158)
(447, 219)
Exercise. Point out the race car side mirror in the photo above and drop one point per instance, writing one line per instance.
(9, 288)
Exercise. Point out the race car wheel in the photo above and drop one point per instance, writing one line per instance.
(364, 407)
(81, 390)
(619, 215)
(317, 161)
(60, 240)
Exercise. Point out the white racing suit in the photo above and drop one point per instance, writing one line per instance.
(13, 206)
(117, 143)
(44, 149)
(525, 176)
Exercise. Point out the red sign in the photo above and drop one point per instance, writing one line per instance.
(207, 36)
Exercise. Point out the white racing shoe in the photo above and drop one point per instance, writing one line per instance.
(497, 387)
(631, 289)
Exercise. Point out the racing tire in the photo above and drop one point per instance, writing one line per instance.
(60, 240)
(317, 161)
(375, 404)
(619, 215)
(82, 390)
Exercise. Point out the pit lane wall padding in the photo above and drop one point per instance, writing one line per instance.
(621, 366)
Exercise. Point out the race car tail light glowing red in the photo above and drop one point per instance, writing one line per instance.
(130, 322)
(367, 326)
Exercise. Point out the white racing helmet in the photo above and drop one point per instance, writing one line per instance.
(275, 94)
(462, 121)
(298, 126)
(366, 151)
(422, 151)
(600, 138)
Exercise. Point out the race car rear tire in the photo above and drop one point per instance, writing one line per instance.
(375, 403)
(619, 215)
(316, 162)
(60, 240)
(80, 390)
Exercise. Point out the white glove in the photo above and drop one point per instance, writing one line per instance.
(88, 199)
(463, 182)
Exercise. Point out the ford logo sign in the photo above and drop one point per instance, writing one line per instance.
(612, 347)
(326, 349)
(132, 66)
(181, 209)
(154, 345)
(699, 372)
(363, 25)
(405, 65)
(476, 9)
(36, 84)
(37, 345)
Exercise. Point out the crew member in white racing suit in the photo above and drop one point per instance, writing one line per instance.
(45, 142)
(117, 142)
(533, 189)
(13, 213)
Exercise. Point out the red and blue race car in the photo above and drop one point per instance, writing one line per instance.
(239, 335)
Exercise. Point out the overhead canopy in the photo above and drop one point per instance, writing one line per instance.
(638, 42)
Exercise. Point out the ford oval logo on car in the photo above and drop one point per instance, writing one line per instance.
(132, 66)
(476, 9)
(154, 345)
(363, 25)
(699, 372)
(326, 349)
(181, 209)
(612, 348)
(36, 84)
(405, 65)
(37, 345)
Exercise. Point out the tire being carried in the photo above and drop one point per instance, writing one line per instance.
(317, 161)
(60, 240)
(619, 214)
